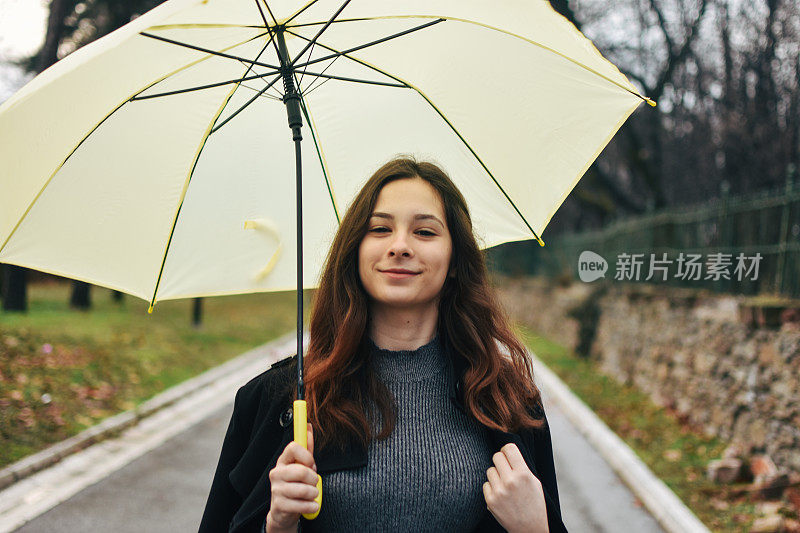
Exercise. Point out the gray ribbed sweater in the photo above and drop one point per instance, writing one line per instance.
(428, 475)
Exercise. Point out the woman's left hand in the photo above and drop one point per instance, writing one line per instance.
(513, 494)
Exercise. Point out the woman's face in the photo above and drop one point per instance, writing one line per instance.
(404, 257)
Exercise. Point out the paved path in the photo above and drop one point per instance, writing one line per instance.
(593, 499)
(165, 489)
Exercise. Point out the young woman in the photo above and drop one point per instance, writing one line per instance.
(423, 411)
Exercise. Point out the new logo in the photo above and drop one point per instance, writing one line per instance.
(591, 266)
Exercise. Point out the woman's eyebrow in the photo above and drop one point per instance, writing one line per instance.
(419, 216)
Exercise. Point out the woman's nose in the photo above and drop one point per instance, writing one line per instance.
(399, 246)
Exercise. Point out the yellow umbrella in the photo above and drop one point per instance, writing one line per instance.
(156, 160)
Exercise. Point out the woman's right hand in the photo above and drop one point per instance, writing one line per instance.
(293, 485)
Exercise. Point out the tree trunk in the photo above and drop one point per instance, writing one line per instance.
(55, 28)
(15, 288)
(80, 296)
(197, 312)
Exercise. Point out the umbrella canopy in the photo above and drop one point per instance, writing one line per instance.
(157, 160)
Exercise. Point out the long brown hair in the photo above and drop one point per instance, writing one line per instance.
(498, 387)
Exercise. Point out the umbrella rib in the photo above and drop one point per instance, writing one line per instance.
(578, 63)
(321, 30)
(136, 95)
(199, 26)
(310, 53)
(207, 51)
(337, 54)
(274, 41)
(253, 99)
(96, 126)
(200, 87)
(517, 36)
(30, 206)
(311, 3)
(312, 126)
(206, 135)
(264, 95)
(277, 94)
(217, 84)
(356, 80)
(251, 67)
(337, 21)
(452, 127)
(477, 158)
(372, 43)
(261, 12)
(274, 20)
(311, 86)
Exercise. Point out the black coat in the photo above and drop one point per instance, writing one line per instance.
(261, 427)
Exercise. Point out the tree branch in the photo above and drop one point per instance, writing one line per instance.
(662, 23)
(675, 59)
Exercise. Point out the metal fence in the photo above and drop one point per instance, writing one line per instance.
(747, 244)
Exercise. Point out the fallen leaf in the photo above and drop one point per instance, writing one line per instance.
(672, 455)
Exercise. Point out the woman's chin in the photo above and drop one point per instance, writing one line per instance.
(393, 301)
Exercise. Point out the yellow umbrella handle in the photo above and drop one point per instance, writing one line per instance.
(301, 437)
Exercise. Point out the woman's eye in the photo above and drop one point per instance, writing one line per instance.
(383, 229)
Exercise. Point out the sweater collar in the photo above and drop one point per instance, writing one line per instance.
(330, 458)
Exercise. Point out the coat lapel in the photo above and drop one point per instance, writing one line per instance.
(330, 458)
(256, 496)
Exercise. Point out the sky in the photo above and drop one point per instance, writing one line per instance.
(22, 26)
(22, 29)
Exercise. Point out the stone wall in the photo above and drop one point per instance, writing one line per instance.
(727, 364)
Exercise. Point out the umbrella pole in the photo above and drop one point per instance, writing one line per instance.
(291, 97)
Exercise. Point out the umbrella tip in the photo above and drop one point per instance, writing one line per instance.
(649, 101)
(150, 309)
(541, 242)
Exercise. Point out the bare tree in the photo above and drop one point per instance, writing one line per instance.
(725, 75)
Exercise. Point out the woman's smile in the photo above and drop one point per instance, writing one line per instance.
(399, 273)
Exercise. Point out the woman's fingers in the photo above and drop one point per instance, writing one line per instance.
(514, 456)
(493, 477)
(295, 453)
(298, 491)
(296, 506)
(293, 473)
(501, 463)
(488, 495)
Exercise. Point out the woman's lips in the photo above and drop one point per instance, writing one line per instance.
(399, 275)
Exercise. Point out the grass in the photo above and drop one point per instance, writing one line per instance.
(62, 371)
(675, 452)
